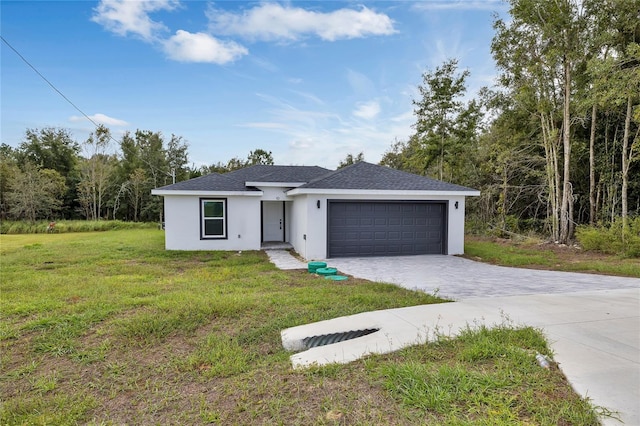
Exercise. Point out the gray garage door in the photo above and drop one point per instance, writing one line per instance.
(370, 228)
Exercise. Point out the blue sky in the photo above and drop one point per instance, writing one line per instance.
(309, 81)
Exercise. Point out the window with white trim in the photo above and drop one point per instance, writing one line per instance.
(213, 218)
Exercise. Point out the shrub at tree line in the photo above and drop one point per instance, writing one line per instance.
(64, 226)
(612, 239)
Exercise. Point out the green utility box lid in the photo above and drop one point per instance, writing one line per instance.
(336, 277)
(313, 266)
(326, 271)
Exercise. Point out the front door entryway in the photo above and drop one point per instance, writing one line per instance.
(273, 221)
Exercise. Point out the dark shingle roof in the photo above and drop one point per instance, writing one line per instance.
(267, 173)
(362, 175)
(210, 182)
(369, 176)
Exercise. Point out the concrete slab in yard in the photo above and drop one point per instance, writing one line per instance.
(399, 328)
(595, 337)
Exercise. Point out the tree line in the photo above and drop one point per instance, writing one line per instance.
(51, 176)
(553, 145)
(556, 142)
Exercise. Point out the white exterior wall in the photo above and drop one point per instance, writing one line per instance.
(315, 246)
(182, 224)
(288, 220)
(305, 223)
(274, 194)
(298, 225)
(455, 224)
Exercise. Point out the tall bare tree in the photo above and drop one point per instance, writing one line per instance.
(96, 172)
(538, 52)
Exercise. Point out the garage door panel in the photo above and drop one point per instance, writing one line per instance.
(363, 250)
(380, 235)
(367, 228)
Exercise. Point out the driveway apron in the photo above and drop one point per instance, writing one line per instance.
(457, 278)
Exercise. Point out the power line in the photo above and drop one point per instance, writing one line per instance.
(48, 82)
(172, 173)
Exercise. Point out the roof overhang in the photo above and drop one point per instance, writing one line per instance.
(383, 192)
(207, 193)
(275, 184)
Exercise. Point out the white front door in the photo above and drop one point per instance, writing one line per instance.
(273, 221)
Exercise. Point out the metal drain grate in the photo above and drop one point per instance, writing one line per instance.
(328, 339)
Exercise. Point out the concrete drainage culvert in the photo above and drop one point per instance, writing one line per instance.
(328, 339)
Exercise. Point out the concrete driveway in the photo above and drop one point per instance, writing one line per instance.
(592, 322)
(457, 278)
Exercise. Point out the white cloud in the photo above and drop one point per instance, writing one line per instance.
(308, 96)
(265, 64)
(360, 83)
(304, 143)
(272, 21)
(132, 17)
(200, 47)
(367, 110)
(405, 117)
(100, 119)
(126, 17)
(321, 135)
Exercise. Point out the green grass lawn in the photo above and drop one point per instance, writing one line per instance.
(535, 254)
(109, 328)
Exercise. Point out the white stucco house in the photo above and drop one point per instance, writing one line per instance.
(360, 210)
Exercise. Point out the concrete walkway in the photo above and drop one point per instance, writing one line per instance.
(592, 322)
(284, 260)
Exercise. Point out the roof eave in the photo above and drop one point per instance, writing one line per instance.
(406, 192)
(164, 192)
(275, 184)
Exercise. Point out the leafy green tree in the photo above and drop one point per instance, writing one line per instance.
(36, 193)
(510, 167)
(445, 125)
(8, 170)
(259, 156)
(50, 148)
(162, 165)
(401, 154)
(218, 167)
(615, 76)
(350, 159)
(177, 158)
(54, 149)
